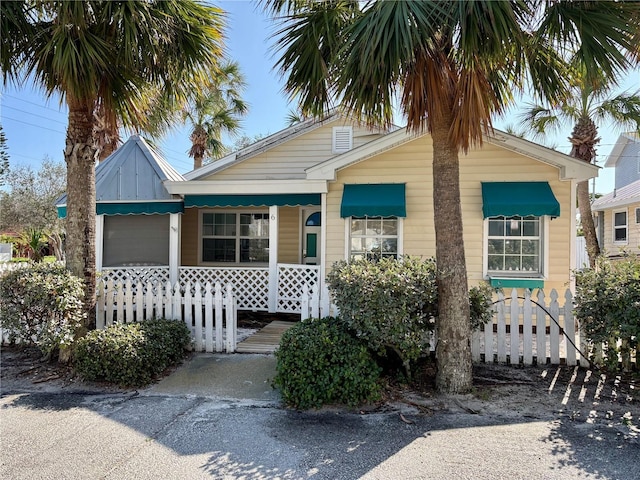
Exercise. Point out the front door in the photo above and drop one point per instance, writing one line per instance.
(311, 228)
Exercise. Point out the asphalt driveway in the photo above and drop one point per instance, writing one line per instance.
(524, 430)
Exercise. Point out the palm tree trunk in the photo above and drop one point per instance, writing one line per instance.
(453, 350)
(586, 218)
(81, 200)
(197, 161)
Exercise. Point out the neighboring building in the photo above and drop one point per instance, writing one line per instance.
(617, 214)
(277, 214)
(625, 158)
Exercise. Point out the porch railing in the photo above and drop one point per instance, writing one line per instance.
(251, 287)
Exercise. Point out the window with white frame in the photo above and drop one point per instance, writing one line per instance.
(514, 246)
(235, 237)
(373, 237)
(638, 216)
(620, 227)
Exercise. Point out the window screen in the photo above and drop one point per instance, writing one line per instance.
(131, 240)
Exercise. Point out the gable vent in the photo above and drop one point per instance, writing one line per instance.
(342, 139)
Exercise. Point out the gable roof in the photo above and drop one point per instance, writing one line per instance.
(618, 198)
(569, 167)
(135, 172)
(270, 142)
(623, 140)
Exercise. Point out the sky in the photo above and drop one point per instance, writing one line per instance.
(35, 126)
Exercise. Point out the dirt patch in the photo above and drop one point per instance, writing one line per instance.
(545, 392)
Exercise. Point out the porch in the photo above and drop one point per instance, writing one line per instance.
(254, 288)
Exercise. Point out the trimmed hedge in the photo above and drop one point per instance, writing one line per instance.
(393, 304)
(131, 355)
(319, 362)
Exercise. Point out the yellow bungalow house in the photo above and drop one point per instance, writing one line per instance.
(276, 215)
(617, 213)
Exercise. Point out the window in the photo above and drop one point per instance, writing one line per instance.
(134, 240)
(235, 237)
(514, 246)
(638, 216)
(373, 237)
(620, 227)
(342, 139)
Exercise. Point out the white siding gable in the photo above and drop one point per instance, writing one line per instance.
(342, 139)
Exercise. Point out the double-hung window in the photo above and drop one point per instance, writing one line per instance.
(620, 227)
(373, 237)
(235, 237)
(514, 246)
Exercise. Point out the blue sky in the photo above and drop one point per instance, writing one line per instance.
(35, 126)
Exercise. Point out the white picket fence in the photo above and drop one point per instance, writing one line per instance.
(209, 313)
(527, 330)
(522, 332)
(6, 267)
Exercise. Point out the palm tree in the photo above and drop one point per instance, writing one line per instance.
(99, 56)
(214, 110)
(453, 66)
(591, 102)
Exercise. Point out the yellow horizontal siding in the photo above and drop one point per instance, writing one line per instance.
(412, 164)
(189, 241)
(290, 159)
(288, 234)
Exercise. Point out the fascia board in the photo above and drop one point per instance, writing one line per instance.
(230, 187)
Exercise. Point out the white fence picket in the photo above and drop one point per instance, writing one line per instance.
(197, 318)
(554, 330)
(208, 317)
(230, 319)
(501, 329)
(527, 330)
(514, 329)
(219, 317)
(541, 330)
(569, 329)
(181, 303)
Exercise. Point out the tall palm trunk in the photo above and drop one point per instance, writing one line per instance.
(81, 200)
(453, 350)
(583, 139)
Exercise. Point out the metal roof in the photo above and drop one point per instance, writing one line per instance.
(619, 197)
(134, 172)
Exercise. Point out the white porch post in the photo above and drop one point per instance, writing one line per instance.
(99, 242)
(174, 247)
(273, 258)
(323, 241)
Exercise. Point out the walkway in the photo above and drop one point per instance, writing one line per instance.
(265, 340)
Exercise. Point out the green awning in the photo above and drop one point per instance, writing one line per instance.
(131, 208)
(374, 200)
(518, 199)
(265, 200)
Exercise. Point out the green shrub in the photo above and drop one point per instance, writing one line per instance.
(393, 303)
(131, 355)
(319, 362)
(43, 305)
(608, 306)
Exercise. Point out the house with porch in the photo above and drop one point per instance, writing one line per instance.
(617, 214)
(273, 217)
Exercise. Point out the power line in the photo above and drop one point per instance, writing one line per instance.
(35, 115)
(33, 125)
(32, 103)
